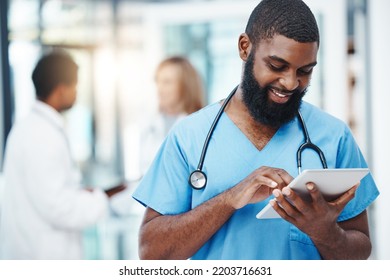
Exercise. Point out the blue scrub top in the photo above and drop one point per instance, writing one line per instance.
(230, 158)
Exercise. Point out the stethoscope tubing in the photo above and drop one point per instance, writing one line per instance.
(212, 128)
(198, 178)
(307, 144)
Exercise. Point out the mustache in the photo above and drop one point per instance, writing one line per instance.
(295, 92)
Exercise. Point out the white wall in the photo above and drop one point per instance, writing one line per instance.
(380, 94)
(333, 30)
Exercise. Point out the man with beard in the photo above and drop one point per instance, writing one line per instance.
(251, 156)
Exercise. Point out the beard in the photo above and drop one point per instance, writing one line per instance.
(261, 108)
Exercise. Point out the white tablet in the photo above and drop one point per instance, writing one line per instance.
(331, 182)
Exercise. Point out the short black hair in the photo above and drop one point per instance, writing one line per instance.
(53, 69)
(290, 18)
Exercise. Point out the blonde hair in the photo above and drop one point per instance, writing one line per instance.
(190, 83)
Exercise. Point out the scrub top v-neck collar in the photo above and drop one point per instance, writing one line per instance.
(275, 146)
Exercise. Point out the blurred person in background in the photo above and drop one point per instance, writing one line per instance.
(180, 92)
(45, 206)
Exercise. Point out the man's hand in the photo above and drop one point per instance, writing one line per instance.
(114, 190)
(258, 186)
(348, 239)
(315, 217)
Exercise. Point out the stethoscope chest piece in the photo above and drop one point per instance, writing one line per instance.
(198, 179)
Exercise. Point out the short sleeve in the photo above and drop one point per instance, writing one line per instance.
(350, 156)
(165, 187)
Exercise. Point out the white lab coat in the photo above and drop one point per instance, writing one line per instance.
(44, 208)
(153, 132)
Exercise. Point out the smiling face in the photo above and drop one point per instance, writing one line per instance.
(276, 76)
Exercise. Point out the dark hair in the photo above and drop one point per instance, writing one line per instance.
(290, 18)
(53, 69)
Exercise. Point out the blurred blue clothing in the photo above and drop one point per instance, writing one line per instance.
(230, 158)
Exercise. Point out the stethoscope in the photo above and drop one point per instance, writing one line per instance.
(198, 178)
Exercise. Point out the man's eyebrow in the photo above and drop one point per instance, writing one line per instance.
(281, 60)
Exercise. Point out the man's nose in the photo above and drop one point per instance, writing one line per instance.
(290, 81)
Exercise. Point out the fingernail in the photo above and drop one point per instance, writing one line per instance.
(310, 186)
(272, 202)
(286, 191)
(276, 193)
(274, 184)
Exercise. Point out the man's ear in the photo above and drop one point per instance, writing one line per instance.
(244, 46)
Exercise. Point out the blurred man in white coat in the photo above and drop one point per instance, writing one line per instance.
(45, 206)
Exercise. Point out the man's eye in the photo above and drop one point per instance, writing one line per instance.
(276, 68)
(305, 72)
